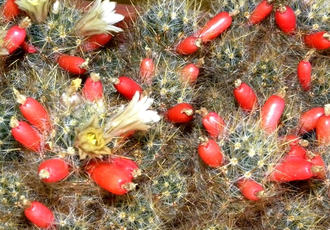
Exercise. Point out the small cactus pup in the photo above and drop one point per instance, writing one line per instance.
(180, 113)
(323, 127)
(271, 112)
(126, 86)
(214, 27)
(10, 10)
(245, 96)
(53, 170)
(39, 214)
(34, 112)
(72, 64)
(15, 36)
(114, 175)
(93, 88)
(189, 45)
(250, 189)
(304, 71)
(308, 119)
(318, 40)
(210, 152)
(25, 134)
(285, 19)
(261, 11)
(92, 139)
(212, 122)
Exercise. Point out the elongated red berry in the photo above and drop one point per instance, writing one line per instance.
(212, 122)
(93, 87)
(308, 119)
(147, 70)
(126, 86)
(286, 19)
(40, 215)
(318, 162)
(214, 27)
(72, 64)
(245, 96)
(292, 169)
(297, 151)
(34, 112)
(189, 45)
(271, 112)
(10, 10)
(180, 113)
(304, 72)
(323, 127)
(210, 152)
(114, 176)
(262, 10)
(29, 48)
(318, 40)
(250, 189)
(95, 42)
(189, 73)
(25, 134)
(294, 140)
(15, 36)
(53, 170)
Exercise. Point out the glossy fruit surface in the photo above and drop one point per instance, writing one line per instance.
(323, 127)
(262, 10)
(286, 19)
(93, 88)
(114, 176)
(29, 48)
(245, 96)
(189, 73)
(212, 122)
(53, 170)
(14, 38)
(35, 113)
(189, 45)
(318, 40)
(304, 72)
(26, 135)
(39, 214)
(214, 27)
(95, 42)
(297, 151)
(72, 64)
(126, 87)
(180, 113)
(308, 119)
(321, 166)
(250, 188)
(10, 10)
(210, 152)
(292, 169)
(147, 69)
(271, 113)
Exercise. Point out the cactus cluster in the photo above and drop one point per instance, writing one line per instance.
(164, 182)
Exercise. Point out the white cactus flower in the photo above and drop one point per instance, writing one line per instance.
(99, 19)
(135, 116)
(36, 9)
